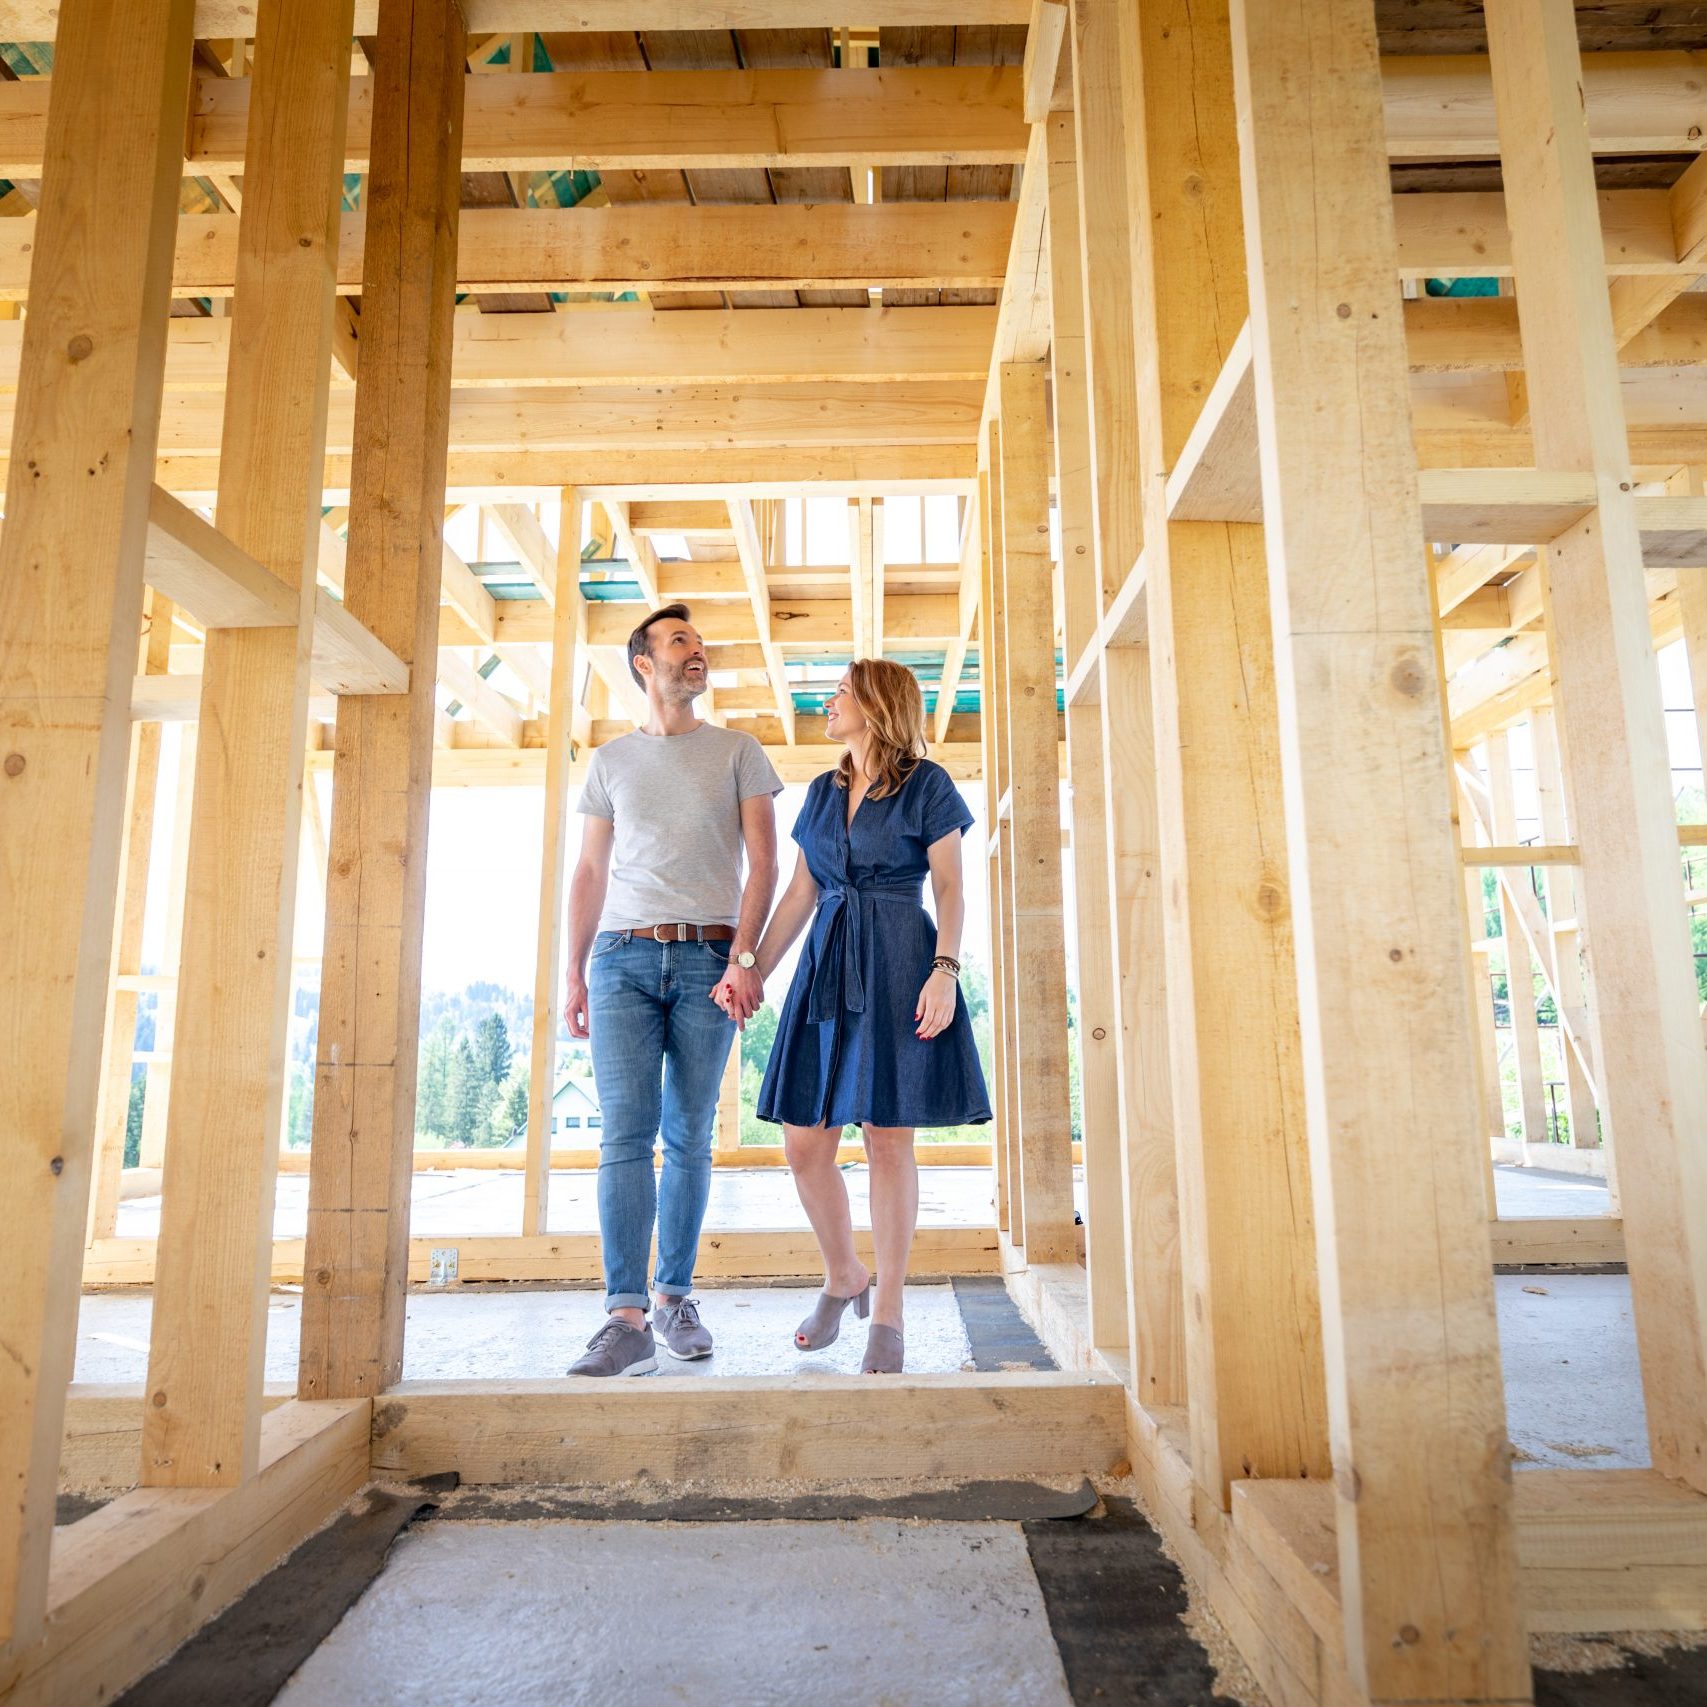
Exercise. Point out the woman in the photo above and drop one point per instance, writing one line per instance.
(874, 1030)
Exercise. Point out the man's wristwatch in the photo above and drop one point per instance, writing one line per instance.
(746, 960)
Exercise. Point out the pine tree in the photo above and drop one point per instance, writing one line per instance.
(462, 1099)
(133, 1117)
(492, 1048)
(432, 1084)
(516, 1106)
(486, 1100)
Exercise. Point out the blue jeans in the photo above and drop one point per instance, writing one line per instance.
(659, 1048)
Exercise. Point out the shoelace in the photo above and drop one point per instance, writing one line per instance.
(687, 1313)
(605, 1334)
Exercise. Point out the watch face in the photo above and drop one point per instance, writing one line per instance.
(746, 959)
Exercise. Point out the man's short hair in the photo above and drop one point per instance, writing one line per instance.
(640, 646)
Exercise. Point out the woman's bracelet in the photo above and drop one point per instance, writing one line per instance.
(946, 963)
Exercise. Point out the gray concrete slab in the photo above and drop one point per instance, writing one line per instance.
(474, 1202)
(515, 1334)
(1522, 1192)
(1572, 1380)
(641, 1615)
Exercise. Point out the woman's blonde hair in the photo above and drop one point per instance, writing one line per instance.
(888, 694)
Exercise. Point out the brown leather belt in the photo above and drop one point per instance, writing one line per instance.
(687, 933)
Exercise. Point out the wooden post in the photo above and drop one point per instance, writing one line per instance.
(1427, 1554)
(356, 1266)
(1565, 921)
(113, 1115)
(992, 725)
(1519, 969)
(1093, 925)
(568, 619)
(1653, 1075)
(202, 1425)
(1149, 1166)
(1037, 974)
(157, 1085)
(1252, 1314)
(79, 479)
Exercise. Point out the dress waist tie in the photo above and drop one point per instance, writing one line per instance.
(838, 983)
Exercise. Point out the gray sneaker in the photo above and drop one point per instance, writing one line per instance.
(684, 1335)
(618, 1349)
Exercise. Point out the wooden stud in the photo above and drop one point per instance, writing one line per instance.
(71, 560)
(1037, 975)
(548, 967)
(207, 1340)
(364, 1101)
(1252, 1312)
(1566, 927)
(1093, 923)
(1519, 968)
(1653, 1079)
(157, 1087)
(1428, 1565)
(117, 1065)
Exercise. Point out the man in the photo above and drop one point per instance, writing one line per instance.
(669, 810)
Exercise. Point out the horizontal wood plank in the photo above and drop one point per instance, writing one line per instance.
(807, 1428)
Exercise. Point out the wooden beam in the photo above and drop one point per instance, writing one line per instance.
(1427, 1551)
(1653, 1075)
(1252, 1312)
(1048, 72)
(971, 586)
(753, 568)
(466, 596)
(548, 964)
(1093, 922)
(364, 1105)
(483, 701)
(71, 591)
(1519, 970)
(1638, 301)
(198, 568)
(138, 1577)
(796, 246)
(755, 1427)
(208, 1328)
(1038, 973)
(642, 556)
(628, 344)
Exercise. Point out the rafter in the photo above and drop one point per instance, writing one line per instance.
(753, 567)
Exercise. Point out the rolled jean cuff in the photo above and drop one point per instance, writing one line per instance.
(673, 1289)
(627, 1301)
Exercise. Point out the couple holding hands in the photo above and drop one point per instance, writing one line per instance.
(668, 955)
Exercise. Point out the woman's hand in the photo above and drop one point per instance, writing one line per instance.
(935, 1009)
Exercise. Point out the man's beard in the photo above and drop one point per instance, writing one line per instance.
(678, 686)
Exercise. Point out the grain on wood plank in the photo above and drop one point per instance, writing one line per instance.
(1653, 1079)
(208, 1329)
(1409, 1335)
(71, 591)
(364, 1106)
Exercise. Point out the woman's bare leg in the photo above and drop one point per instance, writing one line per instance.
(811, 1152)
(894, 1214)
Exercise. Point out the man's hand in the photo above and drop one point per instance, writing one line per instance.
(575, 1005)
(740, 993)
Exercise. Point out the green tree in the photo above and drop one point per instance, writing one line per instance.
(758, 1039)
(492, 1048)
(462, 1097)
(487, 1098)
(133, 1117)
(514, 1119)
(432, 1082)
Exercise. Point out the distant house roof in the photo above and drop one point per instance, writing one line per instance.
(574, 1096)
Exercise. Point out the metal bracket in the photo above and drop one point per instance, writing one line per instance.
(441, 1265)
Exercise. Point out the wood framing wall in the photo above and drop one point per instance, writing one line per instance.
(1271, 568)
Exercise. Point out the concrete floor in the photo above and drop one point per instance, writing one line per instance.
(472, 1202)
(517, 1334)
(761, 1614)
(1522, 1192)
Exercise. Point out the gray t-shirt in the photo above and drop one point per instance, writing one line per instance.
(676, 803)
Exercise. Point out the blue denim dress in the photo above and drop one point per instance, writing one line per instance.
(846, 1047)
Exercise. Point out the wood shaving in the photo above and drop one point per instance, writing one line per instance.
(1553, 1651)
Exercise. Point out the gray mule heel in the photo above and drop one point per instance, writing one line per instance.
(883, 1349)
(824, 1325)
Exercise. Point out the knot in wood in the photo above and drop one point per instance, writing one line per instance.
(57, 1166)
(159, 1401)
(14, 764)
(1409, 1635)
(1409, 678)
(1344, 311)
(81, 347)
(1099, 1032)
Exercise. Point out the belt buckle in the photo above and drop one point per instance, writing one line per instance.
(681, 935)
